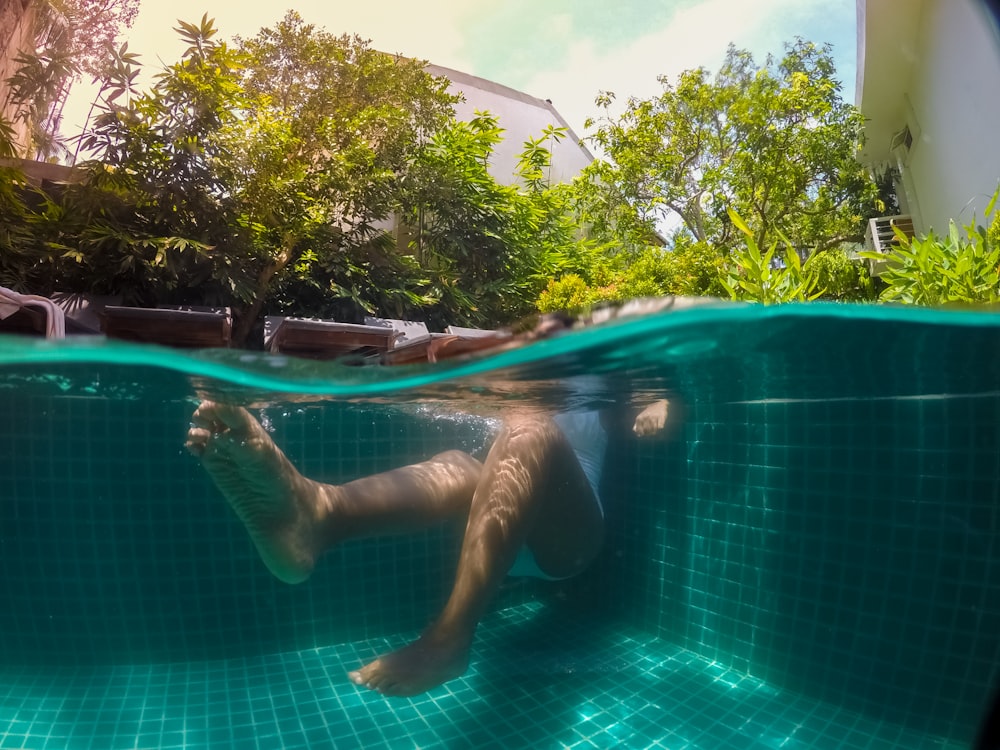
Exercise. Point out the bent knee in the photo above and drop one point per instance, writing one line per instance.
(532, 428)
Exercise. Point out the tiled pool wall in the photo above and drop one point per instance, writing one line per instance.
(117, 548)
(846, 550)
(842, 550)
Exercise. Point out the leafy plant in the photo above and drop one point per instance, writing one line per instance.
(488, 248)
(570, 293)
(961, 268)
(698, 268)
(841, 277)
(758, 277)
(688, 268)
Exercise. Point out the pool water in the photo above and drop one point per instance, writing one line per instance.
(807, 558)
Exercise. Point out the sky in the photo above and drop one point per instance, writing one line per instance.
(563, 50)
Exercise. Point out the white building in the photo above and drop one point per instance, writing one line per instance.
(929, 86)
(522, 117)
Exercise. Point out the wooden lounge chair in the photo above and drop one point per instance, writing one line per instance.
(327, 339)
(184, 327)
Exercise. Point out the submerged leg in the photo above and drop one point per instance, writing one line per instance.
(292, 519)
(532, 491)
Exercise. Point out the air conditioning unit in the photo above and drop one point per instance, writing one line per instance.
(900, 145)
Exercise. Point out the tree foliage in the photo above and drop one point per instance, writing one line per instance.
(271, 194)
(210, 188)
(330, 125)
(95, 26)
(488, 247)
(160, 223)
(775, 143)
(302, 173)
(71, 38)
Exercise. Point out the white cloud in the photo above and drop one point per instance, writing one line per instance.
(697, 36)
(433, 30)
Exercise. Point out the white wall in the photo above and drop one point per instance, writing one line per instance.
(955, 95)
(522, 117)
(934, 66)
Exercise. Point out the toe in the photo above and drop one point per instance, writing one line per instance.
(371, 677)
(197, 439)
(232, 417)
(205, 417)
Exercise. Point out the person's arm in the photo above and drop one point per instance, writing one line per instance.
(652, 419)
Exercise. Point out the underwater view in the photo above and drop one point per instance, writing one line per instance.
(801, 552)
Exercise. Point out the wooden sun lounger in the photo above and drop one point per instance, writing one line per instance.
(322, 339)
(179, 327)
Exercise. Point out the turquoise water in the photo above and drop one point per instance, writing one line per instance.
(807, 558)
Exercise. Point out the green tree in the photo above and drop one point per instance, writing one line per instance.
(254, 198)
(775, 143)
(209, 189)
(329, 125)
(488, 248)
(159, 222)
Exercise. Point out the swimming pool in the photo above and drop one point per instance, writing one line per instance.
(808, 559)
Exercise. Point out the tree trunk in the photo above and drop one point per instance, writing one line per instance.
(246, 321)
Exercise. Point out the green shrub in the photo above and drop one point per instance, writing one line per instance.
(840, 277)
(569, 293)
(699, 269)
(961, 268)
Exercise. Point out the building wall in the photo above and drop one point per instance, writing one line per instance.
(17, 28)
(522, 117)
(933, 66)
(955, 95)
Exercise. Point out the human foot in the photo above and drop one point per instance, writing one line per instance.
(276, 503)
(424, 664)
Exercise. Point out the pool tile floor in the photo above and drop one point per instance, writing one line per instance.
(536, 681)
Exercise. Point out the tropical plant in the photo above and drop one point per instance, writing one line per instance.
(161, 223)
(841, 277)
(19, 254)
(960, 268)
(760, 276)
